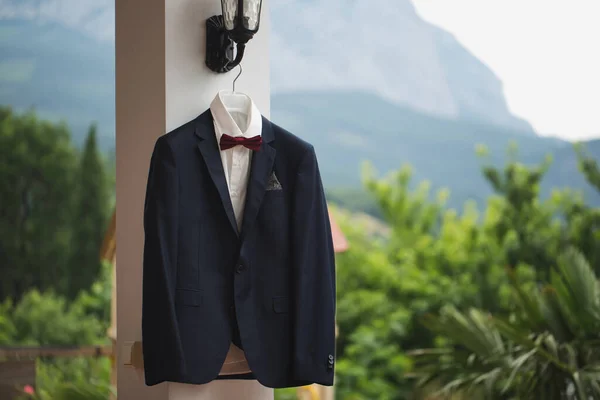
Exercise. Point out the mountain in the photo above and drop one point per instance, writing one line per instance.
(348, 128)
(361, 80)
(384, 47)
(61, 73)
(381, 46)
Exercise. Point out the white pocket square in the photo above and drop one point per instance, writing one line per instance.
(273, 183)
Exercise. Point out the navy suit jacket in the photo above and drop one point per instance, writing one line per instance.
(272, 284)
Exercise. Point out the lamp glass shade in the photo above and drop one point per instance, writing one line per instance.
(230, 12)
(251, 14)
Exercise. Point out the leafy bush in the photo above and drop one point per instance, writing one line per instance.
(50, 319)
(72, 379)
(548, 349)
(47, 319)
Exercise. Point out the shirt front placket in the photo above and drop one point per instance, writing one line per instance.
(236, 177)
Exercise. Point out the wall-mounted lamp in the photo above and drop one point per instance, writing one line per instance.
(238, 24)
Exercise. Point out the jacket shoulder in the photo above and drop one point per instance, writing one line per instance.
(294, 147)
(288, 138)
(181, 136)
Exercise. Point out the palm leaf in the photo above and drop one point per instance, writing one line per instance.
(580, 289)
(579, 386)
(579, 277)
(554, 319)
(547, 349)
(529, 303)
(516, 367)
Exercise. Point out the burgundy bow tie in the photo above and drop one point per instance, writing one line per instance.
(252, 143)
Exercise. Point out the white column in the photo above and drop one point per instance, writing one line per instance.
(162, 82)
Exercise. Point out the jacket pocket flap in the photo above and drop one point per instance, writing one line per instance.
(188, 297)
(281, 304)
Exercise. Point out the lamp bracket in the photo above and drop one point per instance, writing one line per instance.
(220, 47)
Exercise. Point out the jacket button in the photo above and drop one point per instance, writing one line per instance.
(240, 268)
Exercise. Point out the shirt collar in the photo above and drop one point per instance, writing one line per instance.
(224, 123)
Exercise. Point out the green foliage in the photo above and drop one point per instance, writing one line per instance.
(438, 260)
(286, 394)
(583, 221)
(37, 162)
(588, 166)
(7, 327)
(548, 349)
(432, 257)
(89, 216)
(50, 319)
(96, 301)
(370, 322)
(526, 227)
(72, 379)
(52, 223)
(46, 319)
(52, 213)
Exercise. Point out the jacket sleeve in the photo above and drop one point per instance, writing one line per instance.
(161, 345)
(314, 278)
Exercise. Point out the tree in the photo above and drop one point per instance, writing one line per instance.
(37, 163)
(90, 217)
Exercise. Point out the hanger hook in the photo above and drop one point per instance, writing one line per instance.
(236, 78)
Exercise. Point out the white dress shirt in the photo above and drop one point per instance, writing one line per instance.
(236, 115)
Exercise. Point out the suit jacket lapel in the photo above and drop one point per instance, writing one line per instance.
(212, 157)
(261, 167)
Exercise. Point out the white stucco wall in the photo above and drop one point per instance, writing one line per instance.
(161, 83)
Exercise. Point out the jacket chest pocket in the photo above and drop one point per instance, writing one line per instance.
(274, 204)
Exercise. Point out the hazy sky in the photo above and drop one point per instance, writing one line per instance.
(547, 53)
